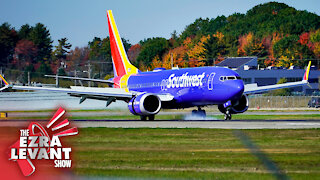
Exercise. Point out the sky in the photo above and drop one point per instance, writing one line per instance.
(82, 20)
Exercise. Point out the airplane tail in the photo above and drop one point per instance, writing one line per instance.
(307, 72)
(121, 63)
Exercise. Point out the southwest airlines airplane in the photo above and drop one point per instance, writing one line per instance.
(148, 92)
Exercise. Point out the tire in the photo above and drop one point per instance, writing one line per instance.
(151, 117)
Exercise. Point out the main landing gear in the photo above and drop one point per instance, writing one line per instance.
(199, 112)
(150, 118)
(227, 115)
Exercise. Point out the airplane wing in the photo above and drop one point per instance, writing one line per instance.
(254, 88)
(107, 94)
(82, 79)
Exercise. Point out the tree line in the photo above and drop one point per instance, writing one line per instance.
(278, 34)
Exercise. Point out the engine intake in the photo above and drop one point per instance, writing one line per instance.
(239, 106)
(144, 104)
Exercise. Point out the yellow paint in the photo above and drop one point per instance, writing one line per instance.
(3, 115)
(124, 82)
(5, 82)
(130, 69)
(308, 70)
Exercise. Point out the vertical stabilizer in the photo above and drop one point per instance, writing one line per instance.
(120, 60)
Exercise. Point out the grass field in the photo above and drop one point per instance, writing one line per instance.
(194, 153)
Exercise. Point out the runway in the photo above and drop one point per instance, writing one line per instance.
(210, 124)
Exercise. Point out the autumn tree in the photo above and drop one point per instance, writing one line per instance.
(133, 52)
(25, 54)
(77, 57)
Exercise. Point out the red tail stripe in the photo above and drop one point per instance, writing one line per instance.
(118, 63)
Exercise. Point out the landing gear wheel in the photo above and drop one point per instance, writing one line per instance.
(143, 118)
(227, 116)
(151, 117)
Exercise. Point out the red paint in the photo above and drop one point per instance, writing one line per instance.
(117, 60)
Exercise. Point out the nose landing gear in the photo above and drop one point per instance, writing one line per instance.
(227, 115)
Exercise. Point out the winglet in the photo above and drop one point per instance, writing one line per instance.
(306, 74)
(5, 82)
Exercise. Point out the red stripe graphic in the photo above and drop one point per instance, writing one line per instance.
(118, 63)
(56, 116)
(61, 125)
(68, 132)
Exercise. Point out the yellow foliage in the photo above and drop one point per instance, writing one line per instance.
(219, 35)
(284, 61)
(316, 49)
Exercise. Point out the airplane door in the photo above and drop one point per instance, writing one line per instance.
(210, 81)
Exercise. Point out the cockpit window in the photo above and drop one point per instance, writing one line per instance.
(225, 78)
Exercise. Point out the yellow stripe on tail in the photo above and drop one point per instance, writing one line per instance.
(306, 74)
(129, 68)
(5, 82)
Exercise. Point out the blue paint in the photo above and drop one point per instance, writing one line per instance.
(191, 86)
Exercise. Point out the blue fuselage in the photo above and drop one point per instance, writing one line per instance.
(190, 86)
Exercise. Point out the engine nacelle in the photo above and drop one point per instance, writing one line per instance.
(144, 104)
(239, 106)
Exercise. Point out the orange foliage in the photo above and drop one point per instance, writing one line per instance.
(186, 55)
(244, 41)
(196, 54)
(271, 60)
(304, 38)
(316, 49)
(219, 35)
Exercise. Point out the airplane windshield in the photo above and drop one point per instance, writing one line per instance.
(226, 78)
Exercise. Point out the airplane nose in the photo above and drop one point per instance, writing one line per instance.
(237, 88)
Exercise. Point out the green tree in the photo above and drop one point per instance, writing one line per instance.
(213, 49)
(43, 69)
(62, 49)
(40, 36)
(8, 40)
(150, 48)
(24, 31)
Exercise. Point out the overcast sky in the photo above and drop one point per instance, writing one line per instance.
(81, 20)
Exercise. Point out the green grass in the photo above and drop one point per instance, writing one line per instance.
(193, 153)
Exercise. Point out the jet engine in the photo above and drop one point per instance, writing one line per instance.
(238, 106)
(144, 104)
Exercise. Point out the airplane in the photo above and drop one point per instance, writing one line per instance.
(148, 92)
